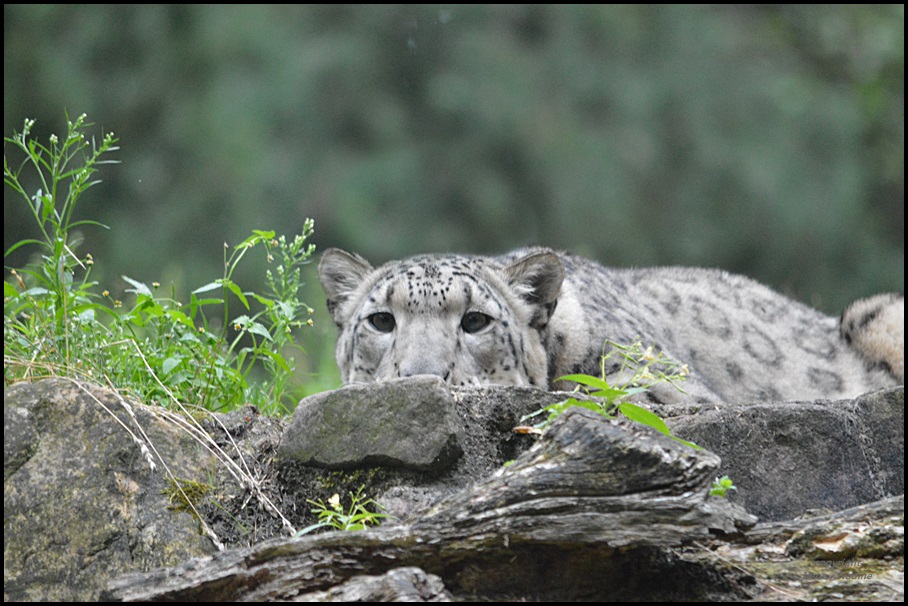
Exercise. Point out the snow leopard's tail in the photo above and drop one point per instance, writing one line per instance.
(875, 327)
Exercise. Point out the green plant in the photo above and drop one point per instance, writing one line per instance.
(158, 349)
(63, 170)
(332, 514)
(721, 486)
(638, 370)
(270, 330)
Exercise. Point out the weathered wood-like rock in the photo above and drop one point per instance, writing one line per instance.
(594, 495)
(407, 584)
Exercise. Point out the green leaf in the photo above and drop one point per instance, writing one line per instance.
(309, 529)
(196, 303)
(263, 300)
(237, 291)
(277, 359)
(138, 287)
(37, 291)
(258, 329)
(180, 317)
(589, 405)
(610, 395)
(644, 417)
(21, 243)
(256, 237)
(208, 287)
(171, 363)
(588, 380)
(287, 310)
(87, 316)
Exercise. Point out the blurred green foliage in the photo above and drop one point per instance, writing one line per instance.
(768, 140)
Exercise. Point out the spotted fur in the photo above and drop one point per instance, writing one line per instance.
(533, 315)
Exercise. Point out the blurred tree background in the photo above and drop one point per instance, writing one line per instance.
(767, 140)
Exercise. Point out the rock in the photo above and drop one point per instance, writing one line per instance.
(790, 457)
(593, 495)
(595, 509)
(407, 584)
(81, 502)
(405, 423)
(451, 437)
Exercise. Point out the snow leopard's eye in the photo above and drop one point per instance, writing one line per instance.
(382, 321)
(474, 321)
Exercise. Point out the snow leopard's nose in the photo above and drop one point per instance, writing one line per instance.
(424, 366)
(427, 348)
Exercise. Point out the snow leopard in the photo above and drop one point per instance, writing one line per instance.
(535, 314)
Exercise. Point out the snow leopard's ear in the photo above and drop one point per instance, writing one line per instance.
(340, 273)
(537, 278)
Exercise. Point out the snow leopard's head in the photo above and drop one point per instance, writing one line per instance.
(469, 320)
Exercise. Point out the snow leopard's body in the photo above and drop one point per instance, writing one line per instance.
(533, 315)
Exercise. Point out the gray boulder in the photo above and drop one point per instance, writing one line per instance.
(81, 501)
